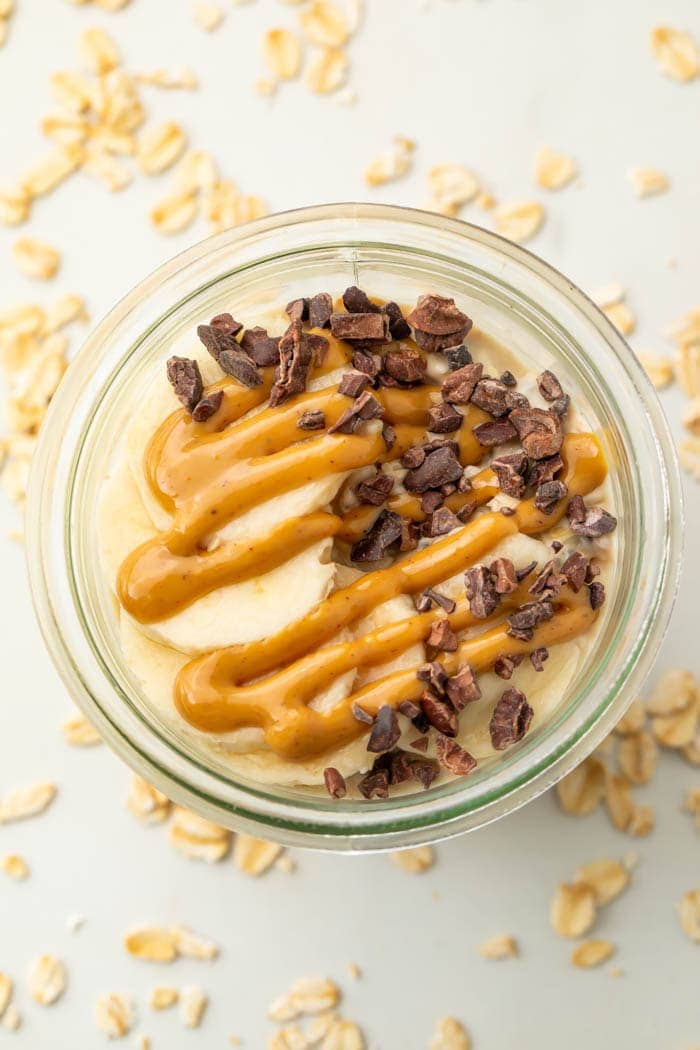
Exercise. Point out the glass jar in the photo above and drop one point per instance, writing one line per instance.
(395, 253)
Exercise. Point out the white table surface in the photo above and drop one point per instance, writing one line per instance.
(483, 82)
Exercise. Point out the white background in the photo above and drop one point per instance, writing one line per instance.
(482, 82)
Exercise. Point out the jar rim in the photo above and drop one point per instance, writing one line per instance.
(402, 820)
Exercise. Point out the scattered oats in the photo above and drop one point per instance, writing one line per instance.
(144, 1043)
(113, 1015)
(282, 53)
(621, 316)
(14, 866)
(27, 801)
(224, 206)
(616, 971)
(12, 1018)
(147, 804)
(583, 789)
(354, 971)
(592, 953)
(67, 129)
(414, 861)
(326, 71)
(451, 186)
(182, 78)
(290, 1037)
(642, 822)
(679, 728)
(675, 690)
(675, 52)
(197, 838)
(449, 1034)
(391, 164)
(319, 1026)
(72, 90)
(196, 171)
(35, 258)
(193, 1003)
(647, 182)
(51, 170)
(160, 147)
(47, 980)
(343, 1035)
(111, 5)
(619, 802)
(553, 170)
(486, 201)
(689, 456)
(659, 369)
(75, 923)
(324, 24)
(254, 856)
(163, 996)
(519, 222)
(633, 719)
(572, 911)
(66, 309)
(691, 416)
(175, 212)
(207, 16)
(691, 752)
(502, 946)
(689, 914)
(637, 757)
(6, 987)
(98, 51)
(606, 878)
(308, 995)
(14, 205)
(192, 945)
(79, 732)
(107, 169)
(286, 864)
(265, 87)
(608, 295)
(151, 943)
(235, 1040)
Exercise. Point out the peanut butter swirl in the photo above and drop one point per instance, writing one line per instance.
(207, 474)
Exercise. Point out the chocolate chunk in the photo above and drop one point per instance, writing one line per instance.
(424, 770)
(366, 362)
(596, 595)
(439, 713)
(365, 407)
(216, 338)
(227, 323)
(353, 383)
(360, 715)
(493, 396)
(561, 406)
(236, 363)
(544, 470)
(431, 500)
(297, 310)
(494, 433)
(438, 468)
(509, 469)
(596, 522)
(522, 623)
(510, 720)
(459, 385)
(410, 535)
(356, 301)
(549, 386)
(413, 457)
(437, 315)
(434, 675)
(508, 379)
(436, 344)
(548, 495)
(335, 783)
(539, 431)
(440, 522)
(374, 784)
(575, 568)
(320, 310)
(505, 664)
(457, 357)
(361, 328)
(312, 419)
(538, 657)
(376, 489)
(463, 688)
(444, 419)
(409, 709)
(481, 592)
(186, 380)
(398, 325)
(406, 366)
(293, 369)
(382, 535)
(434, 597)
(442, 636)
(504, 579)
(260, 347)
(208, 405)
(453, 757)
(385, 731)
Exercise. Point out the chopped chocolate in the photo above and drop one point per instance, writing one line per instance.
(186, 380)
(413, 457)
(453, 757)
(510, 720)
(431, 500)
(398, 325)
(361, 328)
(540, 431)
(297, 310)
(439, 467)
(424, 770)
(227, 323)
(505, 664)
(406, 366)
(410, 535)
(360, 715)
(420, 743)
(365, 407)
(548, 582)
(576, 510)
(549, 386)
(436, 597)
(356, 301)
(595, 522)
(463, 688)
(409, 709)
(353, 383)
(366, 362)
(493, 396)
(320, 310)
(216, 338)
(525, 571)
(312, 419)
(295, 359)
(442, 636)
(561, 406)
(439, 713)
(522, 623)
(376, 489)
(374, 784)
(538, 657)
(509, 469)
(385, 731)
(596, 595)
(508, 379)
(504, 579)
(481, 592)
(457, 357)
(263, 349)
(494, 433)
(434, 675)
(236, 363)
(440, 522)
(458, 386)
(437, 315)
(208, 406)
(379, 538)
(399, 763)
(548, 494)
(574, 568)
(388, 436)
(335, 783)
(517, 400)
(544, 470)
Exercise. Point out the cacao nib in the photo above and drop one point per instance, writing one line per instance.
(481, 592)
(293, 369)
(420, 743)
(376, 489)
(431, 597)
(227, 323)
(297, 310)
(365, 407)
(410, 535)
(493, 396)
(263, 350)
(437, 315)
(352, 384)
(510, 720)
(505, 664)
(561, 406)
(238, 364)
(496, 432)
(440, 522)
(385, 730)
(503, 573)
(541, 470)
(574, 568)
(508, 379)
(360, 715)
(216, 338)
(431, 500)
(538, 657)
(379, 538)
(549, 386)
(442, 636)
(596, 522)
(457, 357)
(434, 675)
(356, 301)
(444, 419)
(540, 432)
(522, 623)
(398, 325)
(374, 784)
(438, 468)
(312, 419)
(424, 770)
(548, 494)
(388, 436)
(320, 310)
(409, 709)
(361, 328)
(463, 688)
(453, 757)
(459, 385)
(364, 361)
(186, 380)
(440, 714)
(413, 457)
(208, 406)
(335, 782)
(509, 469)
(406, 366)
(596, 595)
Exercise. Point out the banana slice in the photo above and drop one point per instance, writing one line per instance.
(123, 522)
